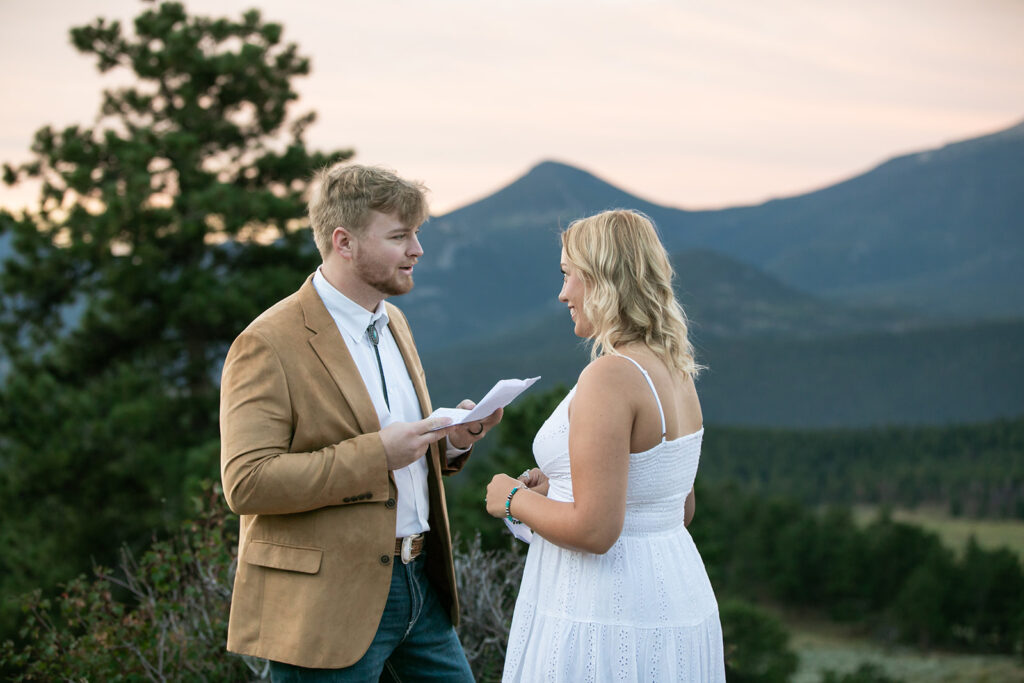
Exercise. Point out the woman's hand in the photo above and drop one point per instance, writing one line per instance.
(497, 494)
(535, 480)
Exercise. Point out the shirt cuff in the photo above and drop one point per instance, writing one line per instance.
(451, 452)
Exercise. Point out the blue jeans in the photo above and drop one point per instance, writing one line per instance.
(415, 640)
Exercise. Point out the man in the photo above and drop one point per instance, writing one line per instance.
(345, 559)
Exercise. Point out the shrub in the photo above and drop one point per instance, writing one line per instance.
(756, 644)
(867, 672)
(159, 618)
(488, 585)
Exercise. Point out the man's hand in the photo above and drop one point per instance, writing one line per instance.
(406, 442)
(465, 435)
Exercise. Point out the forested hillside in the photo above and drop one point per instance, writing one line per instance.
(925, 375)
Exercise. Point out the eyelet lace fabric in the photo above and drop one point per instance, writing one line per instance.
(643, 611)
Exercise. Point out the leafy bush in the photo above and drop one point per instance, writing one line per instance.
(867, 672)
(162, 617)
(756, 644)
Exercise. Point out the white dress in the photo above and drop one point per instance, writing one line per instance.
(645, 610)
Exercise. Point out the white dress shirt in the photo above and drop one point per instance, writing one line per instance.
(352, 321)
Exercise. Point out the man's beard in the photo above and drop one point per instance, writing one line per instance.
(395, 285)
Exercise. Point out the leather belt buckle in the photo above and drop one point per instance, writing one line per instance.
(407, 548)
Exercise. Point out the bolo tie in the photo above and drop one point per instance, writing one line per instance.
(371, 332)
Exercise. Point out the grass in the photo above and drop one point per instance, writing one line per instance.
(823, 645)
(955, 531)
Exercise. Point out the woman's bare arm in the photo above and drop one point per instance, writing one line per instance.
(601, 420)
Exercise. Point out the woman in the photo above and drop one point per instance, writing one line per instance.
(614, 588)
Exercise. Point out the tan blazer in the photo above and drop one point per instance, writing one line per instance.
(303, 464)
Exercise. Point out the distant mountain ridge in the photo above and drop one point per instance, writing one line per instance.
(728, 299)
(868, 302)
(940, 231)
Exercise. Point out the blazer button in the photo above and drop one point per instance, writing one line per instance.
(390, 503)
(346, 499)
(367, 496)
(385, 559)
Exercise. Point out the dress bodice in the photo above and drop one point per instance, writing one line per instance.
(659, 478)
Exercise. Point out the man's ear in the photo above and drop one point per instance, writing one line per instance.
(341, 242)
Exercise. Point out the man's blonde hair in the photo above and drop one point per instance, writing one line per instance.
(346, 195)
(627, 281)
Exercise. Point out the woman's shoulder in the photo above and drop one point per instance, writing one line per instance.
(610, 373)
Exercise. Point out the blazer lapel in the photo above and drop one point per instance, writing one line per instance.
(328, 344)
(403, 337)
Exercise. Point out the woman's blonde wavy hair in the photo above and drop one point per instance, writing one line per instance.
(628, 286)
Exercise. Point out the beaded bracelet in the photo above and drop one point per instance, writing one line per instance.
(508, 506)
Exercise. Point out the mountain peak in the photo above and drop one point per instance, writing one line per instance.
(550, 190)
(567, 178)
(554, 167)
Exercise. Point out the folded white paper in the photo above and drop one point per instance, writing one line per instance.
(520, 531)
(500, 395)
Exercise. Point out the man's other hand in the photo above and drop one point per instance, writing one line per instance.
(465, 435)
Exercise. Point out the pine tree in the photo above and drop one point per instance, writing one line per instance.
(160, 232)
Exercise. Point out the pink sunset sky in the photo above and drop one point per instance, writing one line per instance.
(688, 104)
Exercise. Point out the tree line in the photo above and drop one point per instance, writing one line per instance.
(974, 470)
(894, 578)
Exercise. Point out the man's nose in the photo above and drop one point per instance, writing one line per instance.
(415, 248)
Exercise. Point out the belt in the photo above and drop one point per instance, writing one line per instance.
(409, 548)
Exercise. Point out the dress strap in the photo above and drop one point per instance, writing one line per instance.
(653, 390)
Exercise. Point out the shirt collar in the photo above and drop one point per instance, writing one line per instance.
(349, 316)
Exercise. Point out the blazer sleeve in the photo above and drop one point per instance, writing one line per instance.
(449, 467)
(259, 474)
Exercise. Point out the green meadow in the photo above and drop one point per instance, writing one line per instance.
(955, 532)
(824, 645)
